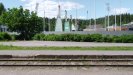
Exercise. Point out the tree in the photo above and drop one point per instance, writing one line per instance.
(23, 22)
(2, 8)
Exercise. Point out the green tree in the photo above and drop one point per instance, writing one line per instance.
(2, 8)
(22, 21)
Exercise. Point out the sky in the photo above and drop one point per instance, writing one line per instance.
(82, 6)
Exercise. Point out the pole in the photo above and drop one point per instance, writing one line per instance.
(108, 9)
(76, 20)
(120, 16)
(95, 15)
(115, 20)
(87, 18)
(44, 22)
(105, 17)
(90, 13)
(49, 25)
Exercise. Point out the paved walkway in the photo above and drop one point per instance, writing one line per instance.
(63, 44)
(63, 52)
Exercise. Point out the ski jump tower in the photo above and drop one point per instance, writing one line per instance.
(58, 27)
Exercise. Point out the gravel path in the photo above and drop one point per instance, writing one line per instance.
(63, 44)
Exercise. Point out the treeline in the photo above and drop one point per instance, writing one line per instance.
(125, 18)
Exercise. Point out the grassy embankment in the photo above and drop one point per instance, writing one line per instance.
(2, 47)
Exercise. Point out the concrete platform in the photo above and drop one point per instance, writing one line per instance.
(64, 44)
(63, 52)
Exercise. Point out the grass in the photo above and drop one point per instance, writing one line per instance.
(2, 47)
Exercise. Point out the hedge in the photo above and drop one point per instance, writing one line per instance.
(5, 36)
(85, 38)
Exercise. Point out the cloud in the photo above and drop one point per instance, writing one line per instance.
(120, 10)
(82, 17)
(50, 7)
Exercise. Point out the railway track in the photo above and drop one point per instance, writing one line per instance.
(68, 60)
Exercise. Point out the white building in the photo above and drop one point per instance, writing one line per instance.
(3, 28)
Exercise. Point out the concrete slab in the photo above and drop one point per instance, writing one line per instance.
(61, 52)
(64, 44)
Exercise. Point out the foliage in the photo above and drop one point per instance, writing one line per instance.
(85, 38)
(22, 21)
(5, 37)
(2, 8)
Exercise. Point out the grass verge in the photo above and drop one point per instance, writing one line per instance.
(2, 47)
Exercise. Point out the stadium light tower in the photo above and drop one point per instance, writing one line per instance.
(105, 17)
(90, 13)
(76, 25)
(115, 20)
(108, 9)
(87, 16)
(95, 15)
(44, 22)
(120, 15)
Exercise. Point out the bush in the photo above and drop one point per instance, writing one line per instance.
(96, 38)
(85, 38)
(39, 37)
(107, 38)
(5, 36)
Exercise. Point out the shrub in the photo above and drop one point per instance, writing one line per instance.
(84, 38)
(39, 37)
(5, 36)
(96, 38)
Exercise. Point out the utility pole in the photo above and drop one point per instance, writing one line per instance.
(108, 9)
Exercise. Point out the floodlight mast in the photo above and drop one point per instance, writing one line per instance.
(76, 25)
(44, 22)
(108, 9)
(115, 20)
(95, 15)
(105, 17)
(120, 16)
(87, 17)
(90, 13)
(49, 25)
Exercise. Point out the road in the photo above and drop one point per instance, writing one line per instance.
(64, 44)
